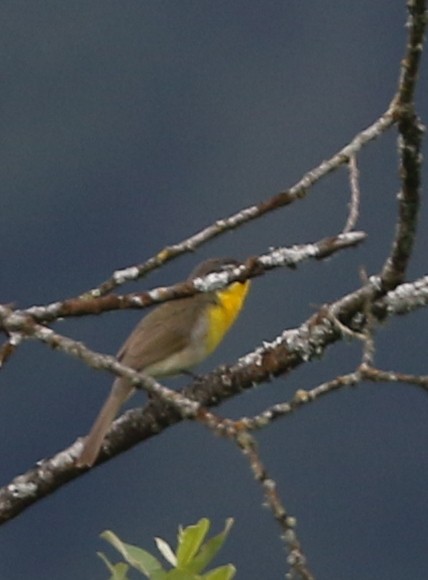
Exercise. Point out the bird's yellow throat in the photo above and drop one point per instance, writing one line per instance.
(223, 314)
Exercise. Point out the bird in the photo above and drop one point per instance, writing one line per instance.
(171, 339)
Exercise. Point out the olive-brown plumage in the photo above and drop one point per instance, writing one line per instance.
(171, 339)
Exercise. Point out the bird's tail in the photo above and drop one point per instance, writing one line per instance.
(120, 392)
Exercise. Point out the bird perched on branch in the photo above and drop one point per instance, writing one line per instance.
(173, 338)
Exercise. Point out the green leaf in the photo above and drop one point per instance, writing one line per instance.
(181, 575)
(117, 571)
(190, 540)
(137, 557)
(210, 549)
(221, 573)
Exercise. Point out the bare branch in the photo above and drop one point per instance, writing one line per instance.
(289, 350)
(282, 199)
(354, 206)
(276, 258)
(405, 298)
(301, 398)
(380, 376)
(410, 65)
(409, 143)
(8, 348)
(296, 558)
(236, 431)
(27, 328)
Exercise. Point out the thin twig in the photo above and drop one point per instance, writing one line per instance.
(354, 205)
(368, 332)
(8, 348)
(296, 557)
(301, 398)
(28, 329)
(298, 191)
(256, 266)
(235, 431)
(380, 376)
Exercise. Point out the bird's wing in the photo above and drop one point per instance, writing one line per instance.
(162, 333)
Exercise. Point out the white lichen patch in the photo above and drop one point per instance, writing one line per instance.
(214, 281)
(121, 276)
(22, 489)
(157, 294)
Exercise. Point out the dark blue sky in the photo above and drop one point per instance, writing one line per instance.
(128, 126)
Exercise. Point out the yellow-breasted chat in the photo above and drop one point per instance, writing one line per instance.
(171, 339)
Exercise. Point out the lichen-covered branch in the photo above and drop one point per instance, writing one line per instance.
(298, 191)
(256, 266)
(411, 131)
(290, 349)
